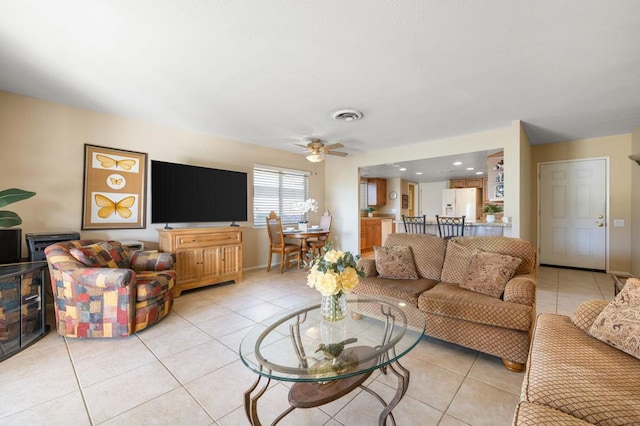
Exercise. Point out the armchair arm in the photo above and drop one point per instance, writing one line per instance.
(103, 277)
(152, 261)
(587, 312)
(520, 289)
(369, 267)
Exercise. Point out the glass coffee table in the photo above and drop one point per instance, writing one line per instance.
(327, 360)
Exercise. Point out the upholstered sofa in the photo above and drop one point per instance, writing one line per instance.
(498, 324)
(573, 378)
(103, 289)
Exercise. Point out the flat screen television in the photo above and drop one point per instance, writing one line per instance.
(184, 193)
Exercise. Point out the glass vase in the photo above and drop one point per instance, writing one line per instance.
(334, 307)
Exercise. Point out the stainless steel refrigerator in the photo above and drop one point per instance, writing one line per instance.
(462, 202)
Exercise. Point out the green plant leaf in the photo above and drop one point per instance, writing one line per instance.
(9, 219)
(9, 196)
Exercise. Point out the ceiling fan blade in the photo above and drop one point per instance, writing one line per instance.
(301, 145)
(338, 153)
(334, 146)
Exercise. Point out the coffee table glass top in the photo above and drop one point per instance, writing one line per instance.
(299, 346)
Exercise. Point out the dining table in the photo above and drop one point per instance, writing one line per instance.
(303, 236)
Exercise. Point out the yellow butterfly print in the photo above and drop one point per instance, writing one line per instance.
(109, 207)
(108, 162)
(116, 181)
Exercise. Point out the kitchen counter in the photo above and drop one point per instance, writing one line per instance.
(472, 229)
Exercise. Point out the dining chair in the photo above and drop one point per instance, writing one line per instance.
(315, 245)
(277, 244)
(450, 226)
(415, 224)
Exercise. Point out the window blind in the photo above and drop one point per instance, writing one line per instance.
(276, 189)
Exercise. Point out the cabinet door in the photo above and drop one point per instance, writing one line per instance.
(188, 266)
(210, 263)
(457, 183)
(377, 192)
(377, 233)
(474, 183)
(230, 262)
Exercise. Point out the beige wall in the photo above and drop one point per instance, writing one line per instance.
(617, 148)
(342, 175)
(635, 203)
(42, 145)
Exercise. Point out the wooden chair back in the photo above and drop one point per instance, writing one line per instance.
(274, 227)
(450, 226)
(415, 224)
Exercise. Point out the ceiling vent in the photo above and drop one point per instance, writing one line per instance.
(347, 115)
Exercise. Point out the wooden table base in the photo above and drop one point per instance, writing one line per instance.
(314, 394)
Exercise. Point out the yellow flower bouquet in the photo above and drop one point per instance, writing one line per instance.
(333, 274)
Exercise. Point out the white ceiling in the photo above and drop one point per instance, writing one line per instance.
(273, 72)
(434, 169)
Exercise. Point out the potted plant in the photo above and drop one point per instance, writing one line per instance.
(9, 196)
(370, 211)
(490, 210)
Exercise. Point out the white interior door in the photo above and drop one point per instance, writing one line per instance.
(573, 214)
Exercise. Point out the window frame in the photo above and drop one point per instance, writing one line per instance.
(287, 190)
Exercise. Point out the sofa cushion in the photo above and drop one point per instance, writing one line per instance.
(449, 300)
(619, 323)
(407, 290)
(570, 371)
(587, 312)
(515, 247)
(395, 262)
(488, 273)
(428, 252)
(456, 262)
(105, 254)
(535, 414)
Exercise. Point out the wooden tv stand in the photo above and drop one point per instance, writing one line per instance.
(204, 256)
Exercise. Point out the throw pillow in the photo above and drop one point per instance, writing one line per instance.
(456, 262)
(619, 323)
(105, 254)
(488, 273)
(395, 262)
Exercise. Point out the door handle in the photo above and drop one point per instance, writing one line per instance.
(600, 224)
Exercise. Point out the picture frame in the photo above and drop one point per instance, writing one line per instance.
(405, 201)
(114, 188)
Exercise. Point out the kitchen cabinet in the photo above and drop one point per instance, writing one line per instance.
(376, 192)
(370, 234)
(204, 256)
(465, 183)
(458, 183)
(474, 183)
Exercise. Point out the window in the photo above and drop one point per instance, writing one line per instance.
(276, 189)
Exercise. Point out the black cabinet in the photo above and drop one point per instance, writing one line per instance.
(22, 313)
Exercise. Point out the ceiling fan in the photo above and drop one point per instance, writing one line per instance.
(318, 150)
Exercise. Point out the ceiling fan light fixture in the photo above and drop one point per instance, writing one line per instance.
(315, 158)
(347, 115)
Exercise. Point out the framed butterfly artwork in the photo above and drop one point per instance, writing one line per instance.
(115, 188)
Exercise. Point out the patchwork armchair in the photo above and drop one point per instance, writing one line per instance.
(104, 289)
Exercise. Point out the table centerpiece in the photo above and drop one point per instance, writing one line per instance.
(333, 274)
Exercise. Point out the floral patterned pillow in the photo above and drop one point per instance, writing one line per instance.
(395, 262)
(619, 322)
(488, 273)
(106, 254)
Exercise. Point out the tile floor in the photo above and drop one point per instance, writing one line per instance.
(186, 370)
